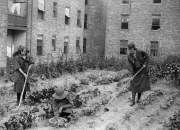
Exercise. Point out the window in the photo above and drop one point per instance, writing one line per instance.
(78, 45)
(54, 43)
(85, 21)
(124, 21)
(66, 44)
(84, 45)
(155, 24)
(125, 1)
(67, 15)
(41, 14)
(79, 18)
(156, 1)
(54, 9)
(40, 45)
(41, 9)
(123, 47)
(154, 48)
(86, 2)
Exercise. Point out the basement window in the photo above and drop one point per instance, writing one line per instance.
(155, 24)
(125, 21)
(154, 48)
(123, 47)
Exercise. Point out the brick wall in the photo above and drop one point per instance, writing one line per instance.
(140, 20)
(55, 26)
(95, 32)
(3, 32)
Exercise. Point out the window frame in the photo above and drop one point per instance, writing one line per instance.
(125, 1)
(126, 26)
(123, 46)
(157, 1)
(40, 38)
(154, 49)
(66, 45)
(67, 18)
(54, 43)
(55, 9)
(156, 23)
(78, 49)
(84, 45)
(79, 22)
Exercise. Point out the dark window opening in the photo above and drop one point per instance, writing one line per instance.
(41, 14)
(155, 24)
(85, 21)
(156, 1)
(123, 47)
(154, 48)
(40, 45)
(79, 18)
(54, 9)
(78, 45)
(124, 22)
(84, 45)
(54, 43)
(125, 1)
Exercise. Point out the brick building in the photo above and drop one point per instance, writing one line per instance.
(57, 28)
(49, 29)
(3, 32)
(153, 25)
(95, 27)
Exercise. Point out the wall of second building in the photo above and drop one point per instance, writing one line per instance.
(56, 26)
(140, 21)
(3, 32)
(96, 27)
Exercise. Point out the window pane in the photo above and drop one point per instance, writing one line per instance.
(54, 43)
(67, 15)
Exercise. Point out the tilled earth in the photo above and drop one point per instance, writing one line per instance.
(151, 113)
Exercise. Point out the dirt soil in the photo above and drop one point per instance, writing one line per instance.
(154, 110)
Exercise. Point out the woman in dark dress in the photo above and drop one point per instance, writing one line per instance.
(21, 64)
(141, 83)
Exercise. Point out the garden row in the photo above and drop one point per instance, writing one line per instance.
(168, 69)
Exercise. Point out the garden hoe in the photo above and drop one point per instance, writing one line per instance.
(24, 87)
(115, 95)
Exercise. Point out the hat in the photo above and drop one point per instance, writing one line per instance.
(21, 48)
(132, 46)
(59, 93)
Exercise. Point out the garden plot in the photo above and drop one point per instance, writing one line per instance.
(90, 98)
